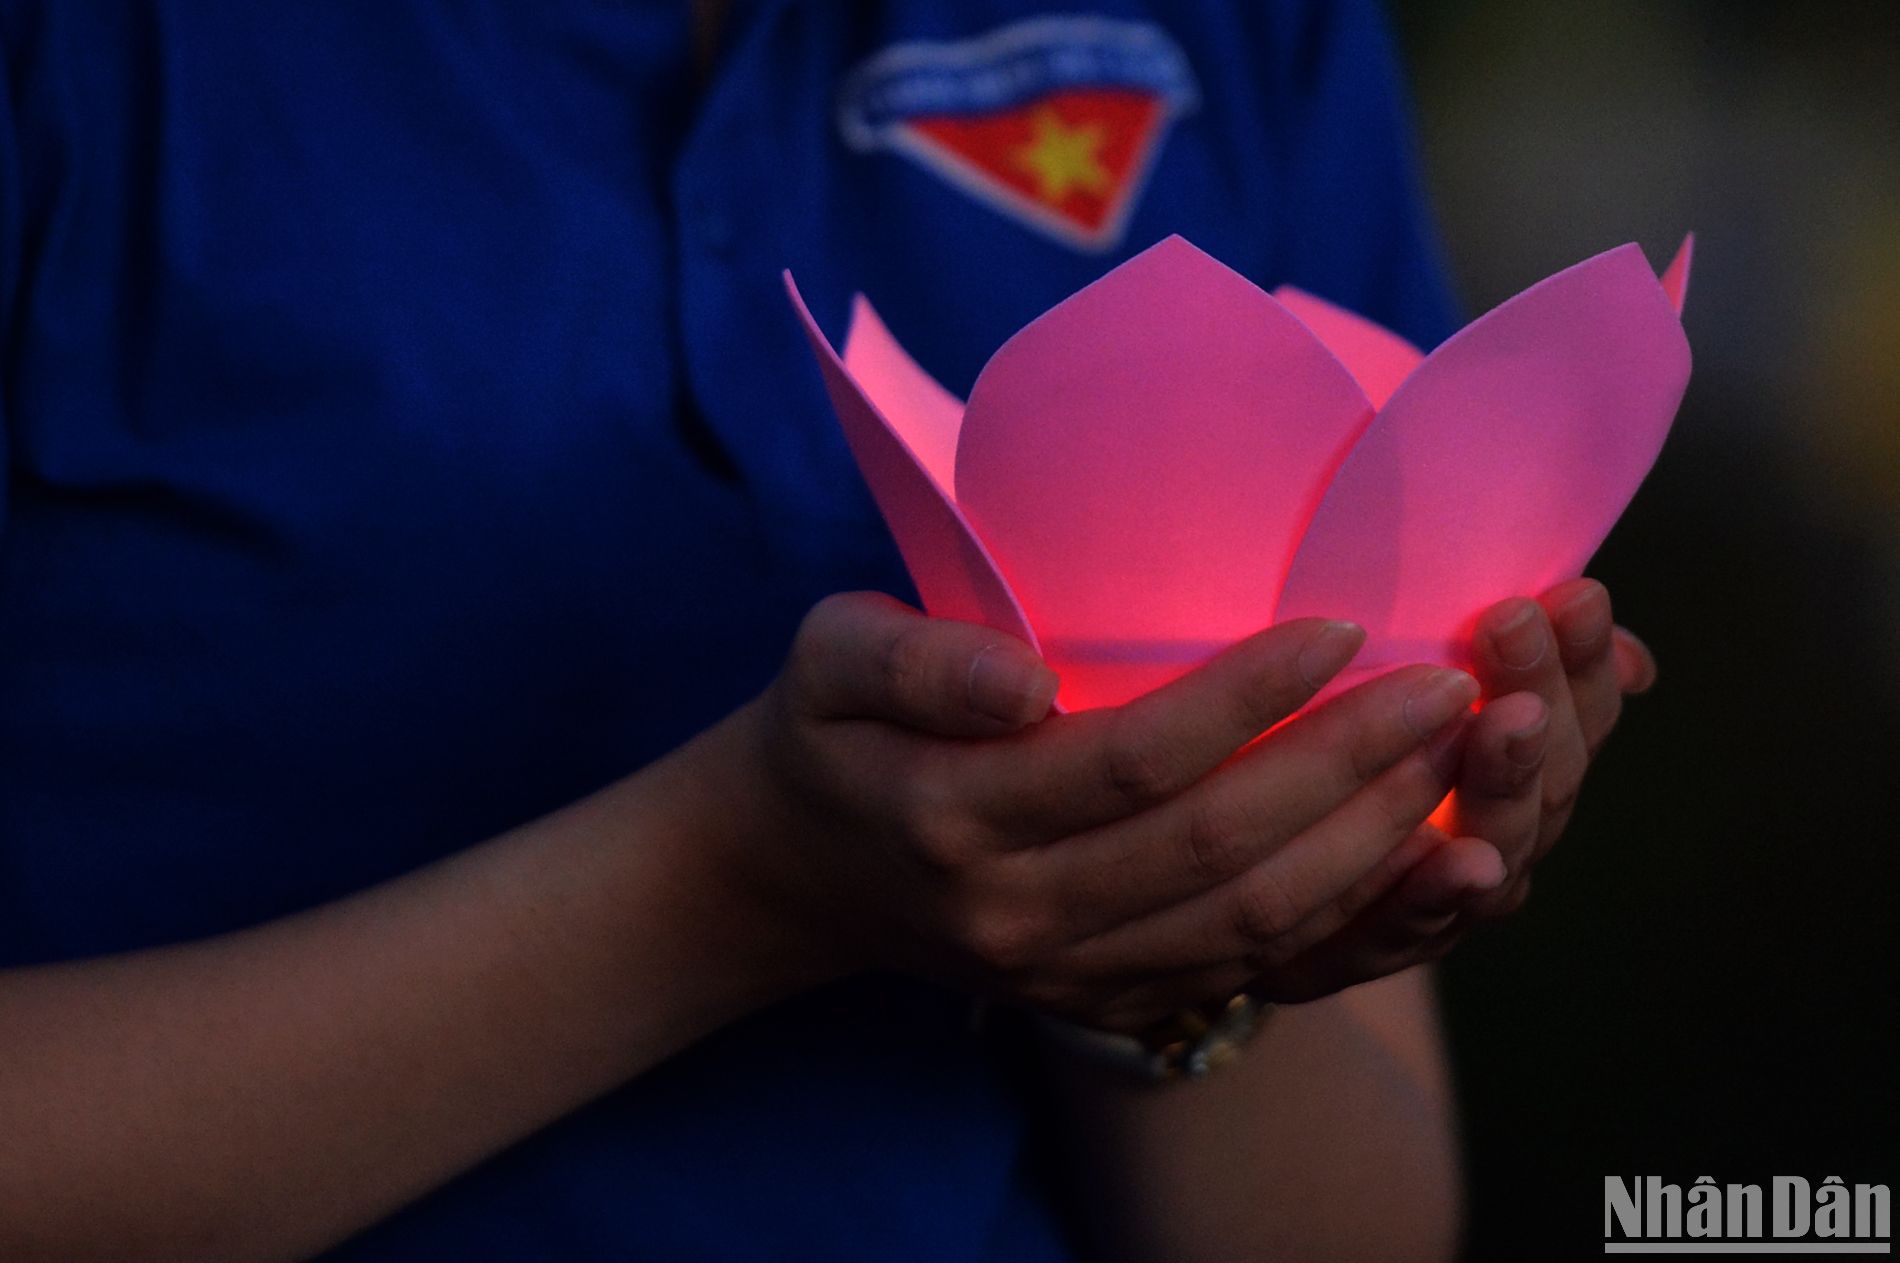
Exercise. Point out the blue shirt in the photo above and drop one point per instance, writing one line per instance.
(406, 434)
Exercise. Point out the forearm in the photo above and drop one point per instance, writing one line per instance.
(1331, 1138)
(267, 1093)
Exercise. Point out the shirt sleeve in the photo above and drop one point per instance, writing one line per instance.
(1358, 224)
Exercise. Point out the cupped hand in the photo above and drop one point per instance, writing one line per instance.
(1554, 672)
(911, 804)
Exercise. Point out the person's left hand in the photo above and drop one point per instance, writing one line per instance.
(1554, 672)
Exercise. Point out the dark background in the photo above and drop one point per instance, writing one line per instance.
(1704, 981)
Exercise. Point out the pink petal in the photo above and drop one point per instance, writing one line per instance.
(923, 414)
(1675, 278)
(952, 571)
(1377, 358)
(1140, 460)
(1499, 466)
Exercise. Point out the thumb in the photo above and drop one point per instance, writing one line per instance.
(862, 655)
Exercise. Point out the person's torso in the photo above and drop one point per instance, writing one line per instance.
(406, 433)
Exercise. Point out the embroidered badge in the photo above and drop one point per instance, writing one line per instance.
(1055, 121)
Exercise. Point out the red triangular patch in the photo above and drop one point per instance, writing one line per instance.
(1071, 161)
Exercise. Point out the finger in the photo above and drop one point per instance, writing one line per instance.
(1579, 611)
(1299, 894)
(1498, 904)
(1376, 881)
(1500, 783)
(1414, 921)
(1080, 771)
(862, 655)
(1253, 807)
(1636, 668)
(1515, 651)
(1363, 892)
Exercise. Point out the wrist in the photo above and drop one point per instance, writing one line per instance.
(728, 834)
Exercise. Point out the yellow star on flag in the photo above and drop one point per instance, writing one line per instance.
(1063, 158)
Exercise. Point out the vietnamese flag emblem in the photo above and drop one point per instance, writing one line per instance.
(1053, 121)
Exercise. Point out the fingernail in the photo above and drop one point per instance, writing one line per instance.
(1493, 876)
(1327, 651)
(1436, 698)
(1007, 688)
(1525, 747)
(1456, 896)
(1585, 617)
(1520, 642)
(1645, 678)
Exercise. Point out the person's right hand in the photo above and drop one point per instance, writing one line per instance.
(911, 804)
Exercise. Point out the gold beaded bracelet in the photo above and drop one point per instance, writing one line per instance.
(1192, 1044)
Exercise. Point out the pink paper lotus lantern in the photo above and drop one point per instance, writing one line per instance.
(1172, 459)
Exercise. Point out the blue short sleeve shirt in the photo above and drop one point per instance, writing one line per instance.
(405, 433)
